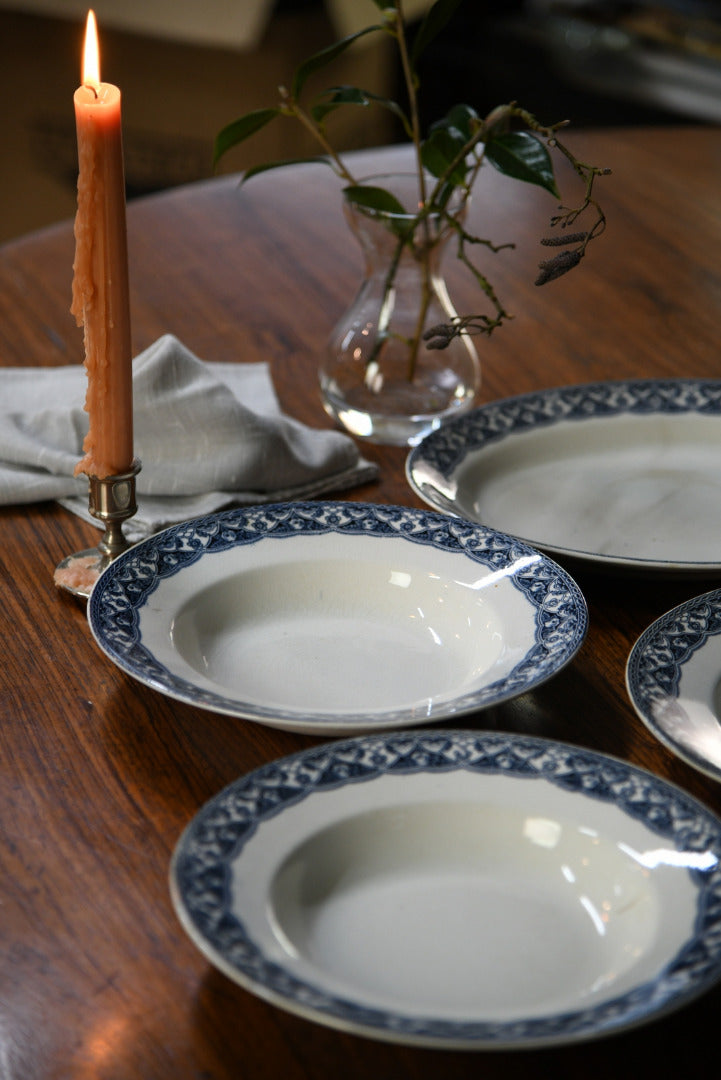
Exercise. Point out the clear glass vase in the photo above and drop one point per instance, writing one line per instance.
(379, 379)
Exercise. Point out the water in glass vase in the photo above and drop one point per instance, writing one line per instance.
(379, 379)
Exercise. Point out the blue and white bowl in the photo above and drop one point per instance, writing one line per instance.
(337, 617)
(456, 889)
(621, 475)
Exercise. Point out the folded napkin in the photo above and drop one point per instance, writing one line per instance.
(208, 435)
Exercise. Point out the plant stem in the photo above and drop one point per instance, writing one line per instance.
(386, 310)
(294, 109)
(411, 89)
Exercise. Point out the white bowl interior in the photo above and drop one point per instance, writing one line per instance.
(491, 899)
(691, 720)
(420, 905)
(337, 624)
(628, 486)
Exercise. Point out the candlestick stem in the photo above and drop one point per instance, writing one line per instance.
(111, 499)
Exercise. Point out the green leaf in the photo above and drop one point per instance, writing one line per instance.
(436, 19)
(524, 157)
(241, 129)
(463, 118)
(320, 59)
(257, 169)
(347, 95)
(447, 139)
(374, 198)
(378, 200)
(440, 149)
(352, 95)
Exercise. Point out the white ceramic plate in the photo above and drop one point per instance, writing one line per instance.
(625, 475)
(337, 617)
(673, 676)
(456, 889)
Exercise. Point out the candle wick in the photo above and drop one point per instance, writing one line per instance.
(90, 86)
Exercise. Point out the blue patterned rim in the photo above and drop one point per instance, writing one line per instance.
(201, 869)
(655, 665)
(443, 451)
(126, 586)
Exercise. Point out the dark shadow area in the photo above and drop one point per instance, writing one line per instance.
(595, 63)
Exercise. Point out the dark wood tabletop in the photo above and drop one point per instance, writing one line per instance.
(100, 774)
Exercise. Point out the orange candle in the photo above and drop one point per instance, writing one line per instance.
(100, 280)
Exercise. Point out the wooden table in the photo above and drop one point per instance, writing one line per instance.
(100, 775)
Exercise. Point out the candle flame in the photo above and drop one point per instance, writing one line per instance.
(91, 54)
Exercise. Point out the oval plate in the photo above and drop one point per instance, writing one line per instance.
(337, 617)
(621, 475)
(456, 889)
(673, 677)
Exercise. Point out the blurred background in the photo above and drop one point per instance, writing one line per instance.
(186, 69)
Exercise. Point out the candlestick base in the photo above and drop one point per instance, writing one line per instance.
(111, 499)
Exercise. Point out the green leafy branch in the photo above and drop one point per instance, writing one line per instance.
(447, 163)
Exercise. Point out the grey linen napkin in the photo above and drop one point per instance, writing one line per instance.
(208, 435)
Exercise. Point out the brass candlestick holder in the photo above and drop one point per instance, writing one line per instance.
(111, 499)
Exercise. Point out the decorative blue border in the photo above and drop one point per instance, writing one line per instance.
(204, 856)
(655, 663)
(121, 592)
(448, 446)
